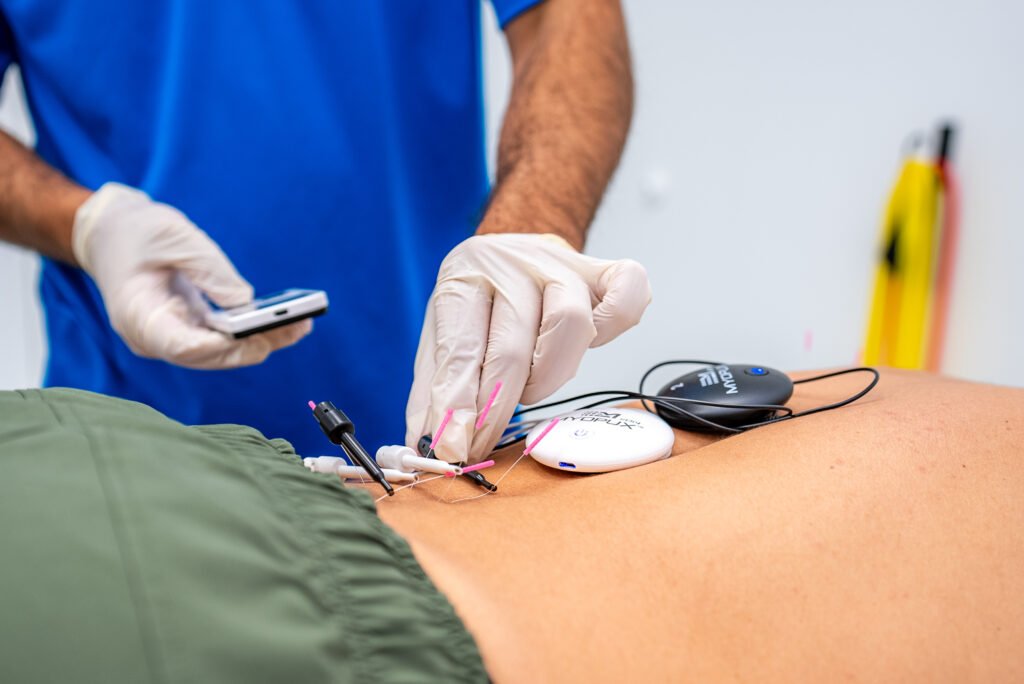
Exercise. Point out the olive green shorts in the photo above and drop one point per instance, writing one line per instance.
(137, 549)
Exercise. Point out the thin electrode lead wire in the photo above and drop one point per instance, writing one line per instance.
(411, 484)
(496, 483)
(443, 496)
(526, 452)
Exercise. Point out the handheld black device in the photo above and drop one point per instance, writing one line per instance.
(738, 394)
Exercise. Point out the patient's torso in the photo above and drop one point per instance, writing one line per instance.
(881, 541)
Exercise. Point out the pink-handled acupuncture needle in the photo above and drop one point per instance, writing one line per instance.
(441, 427)
(488, 405)
(541, 436)
(472, 468)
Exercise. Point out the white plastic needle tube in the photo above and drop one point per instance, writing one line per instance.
(357, 473)
(324, 464)
(333, 464)
(405, 459)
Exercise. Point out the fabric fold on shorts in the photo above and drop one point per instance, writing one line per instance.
(153, 551)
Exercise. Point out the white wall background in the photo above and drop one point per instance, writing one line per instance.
(765, 140)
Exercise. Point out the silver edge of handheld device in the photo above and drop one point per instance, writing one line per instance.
(267, 313)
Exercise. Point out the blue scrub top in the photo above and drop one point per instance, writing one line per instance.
(329, 145)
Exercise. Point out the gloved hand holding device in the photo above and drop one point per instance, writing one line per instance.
(149, 262)
(519, 308)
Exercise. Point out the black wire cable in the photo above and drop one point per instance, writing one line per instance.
(687, 362)
(659, 400)
(844, 402)
(827, 407)
(824, 376)
(671, 404)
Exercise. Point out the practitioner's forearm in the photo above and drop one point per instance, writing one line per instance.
(567, 119)
(37, 203)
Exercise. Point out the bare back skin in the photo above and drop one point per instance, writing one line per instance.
(883, 541)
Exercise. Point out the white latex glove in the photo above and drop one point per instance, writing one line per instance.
(519, 308)
(148, 259)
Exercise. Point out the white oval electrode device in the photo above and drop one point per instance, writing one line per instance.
(599, 440)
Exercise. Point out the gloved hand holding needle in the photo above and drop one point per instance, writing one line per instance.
(519, 309)
(517, 302)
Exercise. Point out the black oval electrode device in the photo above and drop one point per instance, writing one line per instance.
(744, 390)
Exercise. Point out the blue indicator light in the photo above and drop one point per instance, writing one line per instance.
(757, 370)
(563, 464)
